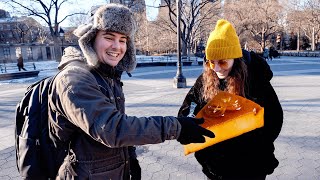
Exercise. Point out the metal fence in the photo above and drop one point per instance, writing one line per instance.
(148, 59)
(301, 53)
(12, 67)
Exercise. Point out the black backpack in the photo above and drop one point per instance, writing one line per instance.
(34, 150)
(36, 154)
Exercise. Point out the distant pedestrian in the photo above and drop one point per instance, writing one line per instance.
(92, 115)
(271, 53)
(20, 63)
(249, 156)
(266, 53)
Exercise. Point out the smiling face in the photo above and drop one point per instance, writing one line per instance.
(110, 47)
(221, 67)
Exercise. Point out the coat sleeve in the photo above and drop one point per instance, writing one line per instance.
(79, 99)
(192, 103)
(273, 113)
(261, 88)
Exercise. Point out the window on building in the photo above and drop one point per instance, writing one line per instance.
(6, 53)
(48, 52)
(29, 53)
(18, 51)
(40, 56)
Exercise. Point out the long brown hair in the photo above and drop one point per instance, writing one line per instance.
(236, 80)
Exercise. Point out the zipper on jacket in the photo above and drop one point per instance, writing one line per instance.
(126, 164)
(37, 142)
(112, 83)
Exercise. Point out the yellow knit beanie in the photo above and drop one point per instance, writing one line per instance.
(223, 42)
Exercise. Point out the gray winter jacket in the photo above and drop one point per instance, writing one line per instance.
(95, 123)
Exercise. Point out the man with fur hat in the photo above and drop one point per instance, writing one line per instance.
(249, 156)
(86, 103)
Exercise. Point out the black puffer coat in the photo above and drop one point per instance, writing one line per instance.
(251, 153)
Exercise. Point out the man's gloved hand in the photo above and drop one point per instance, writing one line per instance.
(191, 132)
(135, 170)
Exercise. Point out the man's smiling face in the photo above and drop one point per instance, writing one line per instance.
(110, 47)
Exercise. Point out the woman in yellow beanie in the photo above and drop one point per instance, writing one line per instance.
(250, 155)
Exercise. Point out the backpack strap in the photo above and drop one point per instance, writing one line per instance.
(102, 83)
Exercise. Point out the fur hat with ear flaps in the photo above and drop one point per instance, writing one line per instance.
(114, 18)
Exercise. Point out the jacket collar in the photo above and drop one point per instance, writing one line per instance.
(108, 71)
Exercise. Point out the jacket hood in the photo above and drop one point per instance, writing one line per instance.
(70, 55)
(259, 68)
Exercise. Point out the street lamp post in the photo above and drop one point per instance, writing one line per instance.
(61, 35)
(179, 80)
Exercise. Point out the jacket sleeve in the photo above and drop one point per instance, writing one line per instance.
(192, 103)
(273, 113)
(79, 99)
(260, 68)
(261, 88)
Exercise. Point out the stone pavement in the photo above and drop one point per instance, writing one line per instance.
(150, 92)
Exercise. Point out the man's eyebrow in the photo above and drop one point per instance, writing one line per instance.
(108, 33)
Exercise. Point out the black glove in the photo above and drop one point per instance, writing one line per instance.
(191, 132)
(135, 170)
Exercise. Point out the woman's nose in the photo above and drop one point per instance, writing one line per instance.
(217, 67)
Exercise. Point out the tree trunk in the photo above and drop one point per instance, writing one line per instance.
(57, 48)
(184, 49)
(263, 41)
(312, 40)
(298, 41)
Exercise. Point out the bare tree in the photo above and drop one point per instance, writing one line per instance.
(295, 20)
(142, 35)
(194, 16)
(259, 18)
(70, 37)
(48, 11)
(304, 20)
(311, 25)
(161, 41)
(42, 34)
(78, 19)
(20, 31)
(25, 30)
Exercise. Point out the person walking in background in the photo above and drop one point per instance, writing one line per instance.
(20, 63)
(249, 156)
(271, 53)
(266, 53)
(92, 115)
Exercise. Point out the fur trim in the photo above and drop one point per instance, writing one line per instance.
(70, 54)
(110, 17)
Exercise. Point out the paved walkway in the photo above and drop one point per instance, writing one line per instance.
(150, 92)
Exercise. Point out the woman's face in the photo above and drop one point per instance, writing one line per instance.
(221, 67)
(110, 47)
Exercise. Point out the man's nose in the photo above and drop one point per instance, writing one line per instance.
(116, 44)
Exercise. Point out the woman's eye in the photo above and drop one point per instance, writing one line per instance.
(222, 62)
